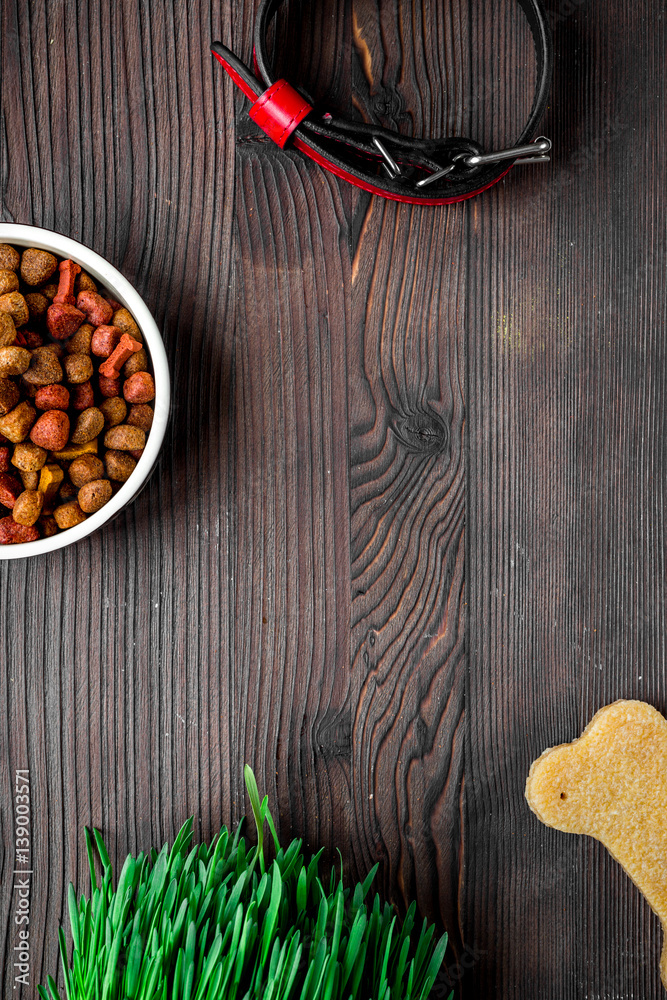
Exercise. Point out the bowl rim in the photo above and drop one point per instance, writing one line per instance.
(109, 276)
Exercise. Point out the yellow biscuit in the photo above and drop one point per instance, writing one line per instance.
(611, 784)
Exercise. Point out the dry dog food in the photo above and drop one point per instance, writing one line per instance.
(611, 784)
(76, 395)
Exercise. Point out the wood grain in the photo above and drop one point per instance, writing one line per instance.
(407, 529)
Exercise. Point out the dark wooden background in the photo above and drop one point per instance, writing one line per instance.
(407, 530)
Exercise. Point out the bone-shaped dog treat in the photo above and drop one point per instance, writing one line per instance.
(611, 784)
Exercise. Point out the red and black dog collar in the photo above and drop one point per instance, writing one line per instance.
(417, 171)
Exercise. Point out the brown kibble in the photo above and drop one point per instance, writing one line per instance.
(15, 306)
(89, 424)
(104, 340)
(79, 343)
(108, 386)
(4, 459)
(86, 469)
(63, 320)
(28, 507)
(124, 437)
(28, 457)
(114, 411)
(141, 415)
(10, 258)
(82, 396)
(52, 397)
(45, 369)
(68, 515)
(37, 304)
(138, 362)
(50, 290)
(94, 495)
(124, 320)
(139, 388)
(16, 424)
(7, 330)
(12, 533)
(50, 480)
(136, 453)
(13, 361)
(30, 480)
(97, 309)
(37, 266)
(9, 282)
(9, 395)
(78, 368)
(65, 295)
(51, 430)
(47, 525)
(57, 349)
(10, 489)
(119, 465)
(84, 283)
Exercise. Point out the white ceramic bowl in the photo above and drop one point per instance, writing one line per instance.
(114, 282)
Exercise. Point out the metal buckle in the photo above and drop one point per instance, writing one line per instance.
(522, 154)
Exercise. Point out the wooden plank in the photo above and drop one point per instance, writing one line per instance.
(115, 654)
(567, 471)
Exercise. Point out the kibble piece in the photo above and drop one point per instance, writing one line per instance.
(15, 306)
(30, 480)
(9, 395)
(86, 469)
(48, 525)
(13, 361)
(4, 459)
(50, 290)
(28, 457)
(114, 411)
(10, 258)
(82, 396)
(37, 266)
(16, 424)
(73, 451)
(94, 495)
(31, 339)
(119, 465)
(124, 437)
(138, 362)
(9, 281)
(79, 343)
(28, 507)
(10, 489)
(65, 295)
(62, 320)
(68, 514)
(52, 397)
(50, 480)
(124, 320)
(12, 533)
(89, 424)
(57, 349)
(45, 369)
(78, 368)
(84, 283)
(108, 387)
(105, 340)
(7, 330)
(139, 388)
(125, 349)
(67, 491)
(51, 430)
(37, 305)
(97, 309)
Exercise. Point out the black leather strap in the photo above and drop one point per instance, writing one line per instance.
(348, 148)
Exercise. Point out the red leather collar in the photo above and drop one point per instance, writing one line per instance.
(378, 160)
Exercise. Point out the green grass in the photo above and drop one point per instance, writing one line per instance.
(222, 921)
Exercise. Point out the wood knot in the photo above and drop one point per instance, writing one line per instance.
(422, 433)
(334, 735)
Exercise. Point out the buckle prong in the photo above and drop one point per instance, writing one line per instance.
(390, 162)
(522, 154)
